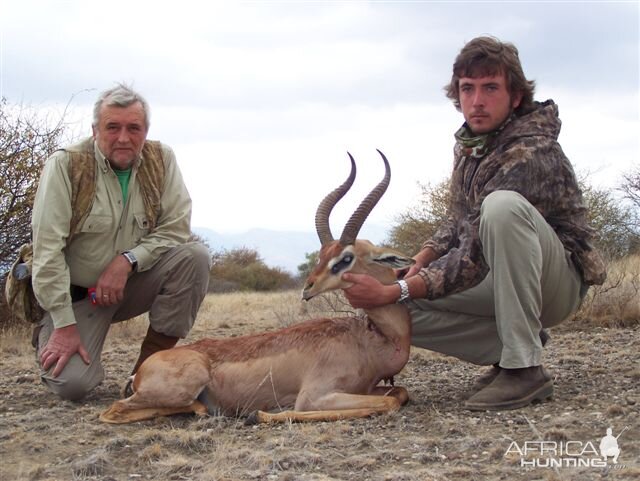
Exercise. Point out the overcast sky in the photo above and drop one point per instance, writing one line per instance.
(262, 100)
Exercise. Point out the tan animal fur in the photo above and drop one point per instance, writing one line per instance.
(326, 369)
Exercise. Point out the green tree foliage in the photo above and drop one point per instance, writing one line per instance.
(242, 269)
(616, 223)
(26, 140)
(304, 269)
(630, 188)
(421, 221)
(612, 220)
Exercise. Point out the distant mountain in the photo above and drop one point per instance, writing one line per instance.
(285, 249)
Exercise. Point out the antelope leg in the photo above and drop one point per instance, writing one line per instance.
(118, 413)
(336, 406)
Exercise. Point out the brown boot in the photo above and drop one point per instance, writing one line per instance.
(153, 342)
(513, 389)
(485, 378)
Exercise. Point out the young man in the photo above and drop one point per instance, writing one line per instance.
(515, 255)
(111, 221)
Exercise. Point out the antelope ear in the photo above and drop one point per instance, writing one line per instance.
(393, 259)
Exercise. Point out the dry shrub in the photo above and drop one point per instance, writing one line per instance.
(294, 310)
(91, 466)
(133, 329)
(617, 302)
(15, 340)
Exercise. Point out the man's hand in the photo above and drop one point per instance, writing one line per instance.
(423, 258)
(63, 343)
(367, 292)
(111, 283)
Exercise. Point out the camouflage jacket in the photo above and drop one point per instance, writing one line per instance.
(525, 157)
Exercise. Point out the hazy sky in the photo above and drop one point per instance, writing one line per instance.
(262, 100)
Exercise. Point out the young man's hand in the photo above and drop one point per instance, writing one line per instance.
(423, 258)
(367, 292)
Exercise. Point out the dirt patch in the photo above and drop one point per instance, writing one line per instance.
(432, 438)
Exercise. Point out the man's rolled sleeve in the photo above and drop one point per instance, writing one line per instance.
(62, 317)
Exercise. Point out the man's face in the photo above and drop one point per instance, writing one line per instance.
(120, 133)
(486, 102)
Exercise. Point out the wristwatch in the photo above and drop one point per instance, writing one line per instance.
(404, 292)
(132, 260)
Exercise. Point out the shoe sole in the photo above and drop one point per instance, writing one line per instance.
(541, 394)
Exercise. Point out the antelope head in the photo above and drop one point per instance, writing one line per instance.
(349, 254)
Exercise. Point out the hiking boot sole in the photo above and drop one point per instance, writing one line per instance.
(541, 394)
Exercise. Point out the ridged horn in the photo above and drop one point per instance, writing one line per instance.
(354, 224)
(329, 202)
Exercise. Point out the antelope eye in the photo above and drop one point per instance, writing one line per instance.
(342, 263)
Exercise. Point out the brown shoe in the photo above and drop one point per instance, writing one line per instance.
(152, 343)
(513, 389)
(485, 378)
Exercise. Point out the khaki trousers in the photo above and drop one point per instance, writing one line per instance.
(532, 284)
(171, 291)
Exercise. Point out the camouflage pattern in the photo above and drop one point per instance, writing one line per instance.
(523, 156)
(19, 291)
(82, 172)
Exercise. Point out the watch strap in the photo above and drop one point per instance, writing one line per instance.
(132, 259)
(404, 291)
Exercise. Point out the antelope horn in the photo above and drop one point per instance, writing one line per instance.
(329, 202)
(354, 224)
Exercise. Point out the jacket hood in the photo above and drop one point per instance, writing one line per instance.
(541, 121)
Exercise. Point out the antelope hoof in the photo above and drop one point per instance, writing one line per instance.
(252, 419)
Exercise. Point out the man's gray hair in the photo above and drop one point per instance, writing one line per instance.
(120, 96)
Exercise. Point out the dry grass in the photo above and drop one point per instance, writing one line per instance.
(617, 302)
(432, 438)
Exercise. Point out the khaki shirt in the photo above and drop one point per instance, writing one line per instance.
(111, 228)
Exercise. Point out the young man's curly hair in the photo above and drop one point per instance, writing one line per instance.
(488, 56)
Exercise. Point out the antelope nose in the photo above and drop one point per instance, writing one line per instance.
(306, 295)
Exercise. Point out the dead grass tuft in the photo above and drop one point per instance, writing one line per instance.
(617, 302)
(15, 339)
(554, 434)
(152, 453)
(615, 410)
(191, 442)
(93, 465)
(130, 330)
(177, 466)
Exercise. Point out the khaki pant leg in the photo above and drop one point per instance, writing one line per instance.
(171, 291)
(532, 284)
(461, 325)
(536, 284)
(77, 378)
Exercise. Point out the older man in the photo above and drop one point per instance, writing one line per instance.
(515, 255)
(111, 223)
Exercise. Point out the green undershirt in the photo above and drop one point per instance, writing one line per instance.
(123, 179)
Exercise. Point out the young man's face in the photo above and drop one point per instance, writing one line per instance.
(486, 102)
(120, 133)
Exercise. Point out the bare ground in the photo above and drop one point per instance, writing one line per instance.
(596, 369)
